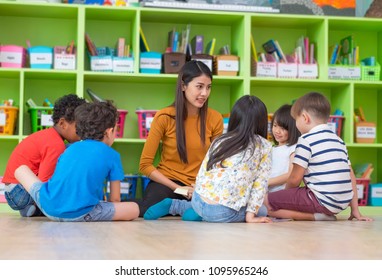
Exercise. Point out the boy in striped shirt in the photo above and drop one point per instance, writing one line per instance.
(321, 161)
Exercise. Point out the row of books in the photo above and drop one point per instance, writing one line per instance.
(121, 50)
(180, 42)
(304, 52)
(345, 52)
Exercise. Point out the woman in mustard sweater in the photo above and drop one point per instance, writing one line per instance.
(185, 130)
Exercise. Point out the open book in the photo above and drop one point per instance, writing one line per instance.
(182, 191)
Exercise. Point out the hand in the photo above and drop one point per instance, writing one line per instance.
(359, 217)
(251, 218)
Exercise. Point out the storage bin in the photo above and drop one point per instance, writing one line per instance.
(103, 62)
(226, 65)
(121, 123)
(128, 188)
(8, 118)
(145, 117)
(287, 70)
(205, 58)
(151, 62)
(363, 190)
(172, 62)
(307, 71)
(41, 57)
(365, 132)
(144, 182)
(370, 73)
(13, 56)
(41, 118)
(64, 60)
(335, 123)
(375, 194)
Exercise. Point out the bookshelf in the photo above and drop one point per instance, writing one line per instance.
(57, 24)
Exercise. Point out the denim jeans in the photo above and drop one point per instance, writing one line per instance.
(103, 211)
(214, 213)
(18, 198)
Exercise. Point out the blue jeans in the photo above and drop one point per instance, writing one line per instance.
(214, 213)
(103, 211)
(18, 198)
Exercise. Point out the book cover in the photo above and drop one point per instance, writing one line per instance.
(333, 54)
(211, 47)
(198, 44)
(347, 45)
(121, 47)
(253, 48)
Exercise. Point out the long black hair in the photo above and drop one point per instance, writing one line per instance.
(189, 71)
(248, 121)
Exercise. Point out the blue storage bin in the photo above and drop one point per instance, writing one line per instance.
(151, 62)
(144, 181)
(41, 57)
(375, 194)
(128, 188)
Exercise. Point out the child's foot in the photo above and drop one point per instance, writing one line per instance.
(324, 217)
(191, 215)
(28, 211)
(158, 210)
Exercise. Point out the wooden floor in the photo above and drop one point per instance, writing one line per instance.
(171, 238)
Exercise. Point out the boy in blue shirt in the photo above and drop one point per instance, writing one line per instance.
(75, 191)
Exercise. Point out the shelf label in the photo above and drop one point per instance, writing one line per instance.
(266, 69)
(368, 132)
(11, 57)
(346, 73)
(46, 120)
(101, 64)
(228, 65)
(287, 70)
(2, 119)
(41, 58)
(376, 192)
(151, 63)
(207, 62)
(307, 71)
(149, 120)
(360, 191)
(123, 65)
(65, 61)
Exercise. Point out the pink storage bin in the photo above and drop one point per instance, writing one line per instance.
(12, 56)
(121, 123)
(145, 118)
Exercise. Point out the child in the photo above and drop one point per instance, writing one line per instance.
(322, 161)
(232, 180)
(285, 135)
(40, 151)
(75, 191)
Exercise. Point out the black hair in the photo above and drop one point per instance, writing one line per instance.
(64, 107)
(187, 73)
(285, 120)
(93, 119)
(248, 121)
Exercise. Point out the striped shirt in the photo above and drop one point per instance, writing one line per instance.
(327, 167)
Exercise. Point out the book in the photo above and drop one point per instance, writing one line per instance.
(333, 54)
(253, 49)
(347, 45)
(90, 45)
(211, 47)
(143, 42)
(273, 46)
(182, 191)
(121, 47)
(197, 44)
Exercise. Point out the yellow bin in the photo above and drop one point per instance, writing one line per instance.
(8, 117)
